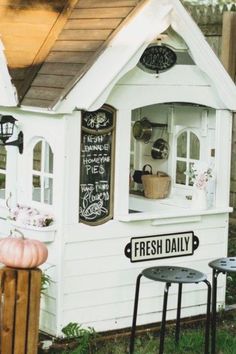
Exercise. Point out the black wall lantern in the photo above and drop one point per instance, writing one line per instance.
(7, 124)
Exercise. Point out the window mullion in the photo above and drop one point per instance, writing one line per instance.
(188, 157)
(42, 171)
(181, 159)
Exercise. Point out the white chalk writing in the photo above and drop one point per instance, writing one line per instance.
(93, 199)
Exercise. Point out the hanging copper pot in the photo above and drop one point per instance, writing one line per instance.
(160, 149)
(142, 130)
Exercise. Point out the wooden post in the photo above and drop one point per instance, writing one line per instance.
(228, 49)
(19, 310)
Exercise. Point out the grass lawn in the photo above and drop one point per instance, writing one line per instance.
(191, 341)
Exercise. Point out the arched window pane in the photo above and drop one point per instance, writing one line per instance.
(42, 179)
(3, 165)
(194, 147)
(48, 163)
(37, 156)
(3, 158)
(182, 145)
(48, 184)
(180, 175)
(2, 185)
(190, 182)
(36, 188)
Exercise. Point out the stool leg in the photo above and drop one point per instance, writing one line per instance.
(177, 328)
(208, 317)
(163, 323)
(214, 301)
(132, 337)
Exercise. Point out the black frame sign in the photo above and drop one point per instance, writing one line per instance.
(157, 58)
(154, 247)
(96, 166)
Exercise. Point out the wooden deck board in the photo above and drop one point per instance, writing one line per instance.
(60, 69)
(93, 23)
(77, 45)
(54, 81)
(105, 3)
(117, 12)
(35, 102)
(31, 16)
(79, 57)
(85, 34)
(36, 92)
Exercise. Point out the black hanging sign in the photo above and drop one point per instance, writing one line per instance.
(161, 246)
(157, 58)
(96, 166)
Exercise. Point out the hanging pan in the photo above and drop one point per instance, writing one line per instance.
(142, 130)
(160, 149)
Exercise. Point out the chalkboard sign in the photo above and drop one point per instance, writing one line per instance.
(96, 166)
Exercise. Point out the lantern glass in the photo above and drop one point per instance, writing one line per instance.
(7, 124)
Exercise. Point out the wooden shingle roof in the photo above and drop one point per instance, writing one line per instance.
(49, 44)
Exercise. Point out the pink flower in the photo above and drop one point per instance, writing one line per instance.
(199, 174)
(38, 221)
(14, 213)
(201, 181)
(30, 216)
(23, 217)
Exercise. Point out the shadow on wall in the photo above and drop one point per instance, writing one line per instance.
(55, 5)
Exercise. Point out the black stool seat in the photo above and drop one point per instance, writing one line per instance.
(227, 264)
(220, 265)
(174, 275)
(169, 275)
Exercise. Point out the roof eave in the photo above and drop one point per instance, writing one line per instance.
(155, 17)
(129, 41)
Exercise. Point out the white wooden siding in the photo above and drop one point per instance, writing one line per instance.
(115, 229)
(152, 317)
(48, 322)
(53, 129)
(100, 280)
(116, 279)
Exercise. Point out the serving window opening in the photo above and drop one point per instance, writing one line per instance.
(166, 141)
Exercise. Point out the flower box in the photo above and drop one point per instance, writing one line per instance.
(44, 234)
(32, 223)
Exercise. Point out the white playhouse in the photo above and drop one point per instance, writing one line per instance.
(145, 99)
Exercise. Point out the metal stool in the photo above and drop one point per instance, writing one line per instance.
(169, 275)
(221, 265)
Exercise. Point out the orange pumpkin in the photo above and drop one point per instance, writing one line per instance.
(19, 252)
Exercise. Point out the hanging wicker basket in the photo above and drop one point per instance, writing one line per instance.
(156, 186)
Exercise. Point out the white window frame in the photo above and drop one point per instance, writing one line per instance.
(186, 159)
(42, 174)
